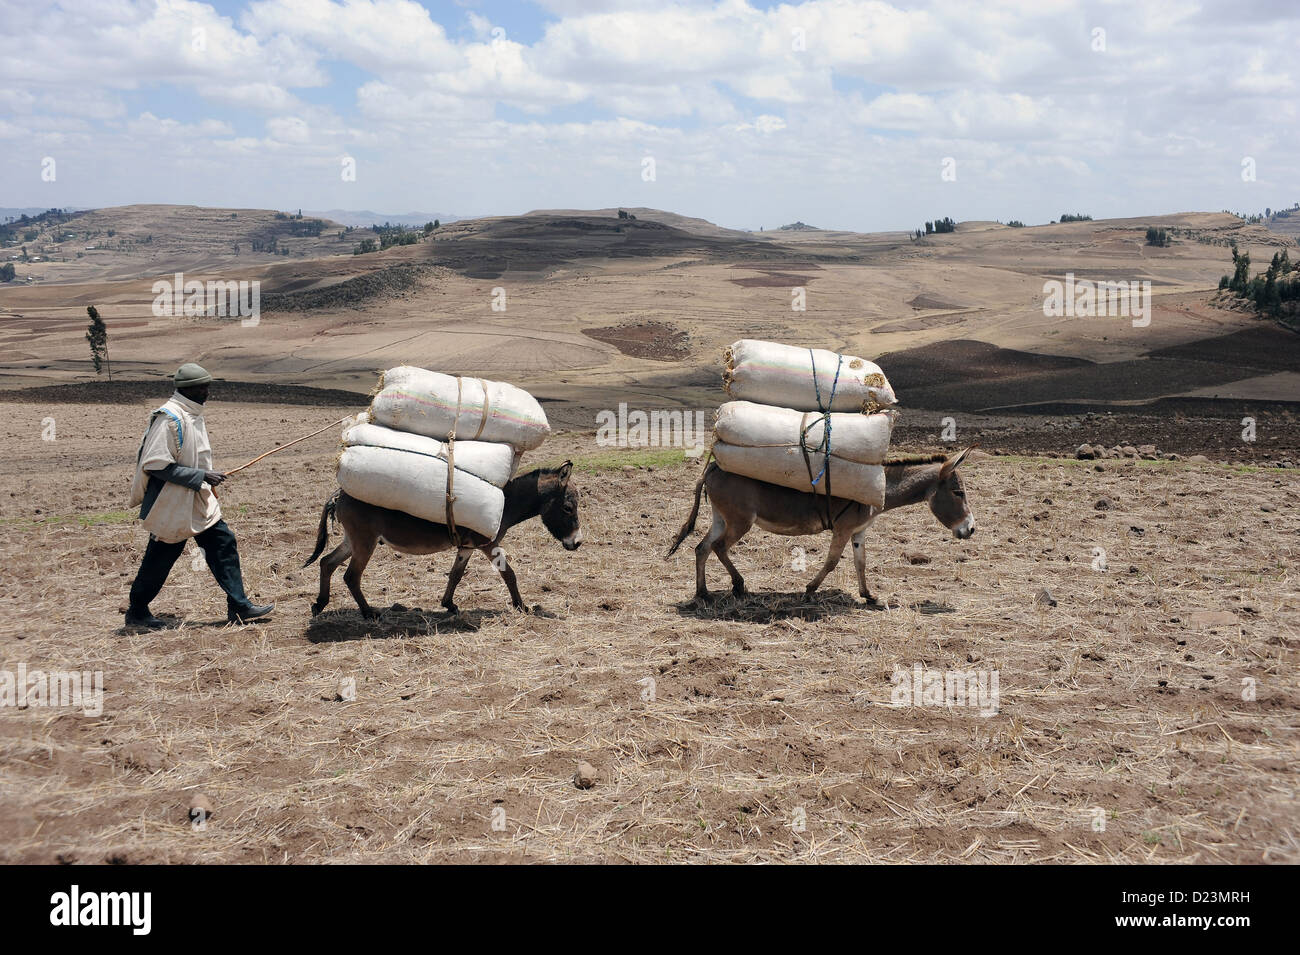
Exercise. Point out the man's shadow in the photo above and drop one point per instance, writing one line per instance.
(175, 623)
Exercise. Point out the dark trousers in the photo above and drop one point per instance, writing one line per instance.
(221, 553)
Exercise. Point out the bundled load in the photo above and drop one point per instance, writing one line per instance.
(411, 456)
(788, 430)
(805, 379)
(416, 484)
(494, 463)
(436, 405)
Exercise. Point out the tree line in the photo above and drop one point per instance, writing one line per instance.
(1275, 291)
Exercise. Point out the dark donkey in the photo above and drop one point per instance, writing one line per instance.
(544, 492)
(740, 502)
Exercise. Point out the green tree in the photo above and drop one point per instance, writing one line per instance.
(1241, 270)
(97, 335)
(7, 272)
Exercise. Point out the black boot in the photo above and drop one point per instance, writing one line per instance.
(137, 619)
(222, 555)
(251, 612)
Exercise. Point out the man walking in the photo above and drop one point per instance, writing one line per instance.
(174, 486)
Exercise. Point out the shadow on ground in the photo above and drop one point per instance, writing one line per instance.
(769, 607)
(336, 626)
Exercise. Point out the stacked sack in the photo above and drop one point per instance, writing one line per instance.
(435, 438)
(806, 419)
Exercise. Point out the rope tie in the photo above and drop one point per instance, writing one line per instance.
(824, 446)
(451, 471)
(487, 409)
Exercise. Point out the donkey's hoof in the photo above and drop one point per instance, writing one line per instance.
(739, 591)
(451, 609)
(316, 609)
(370, 614)
(704, 597)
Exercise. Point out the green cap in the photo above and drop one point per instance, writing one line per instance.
(190, 374)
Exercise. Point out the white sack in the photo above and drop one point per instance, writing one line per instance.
(417, 485)
(424, 402)
(494, 463)
(864, 483)
(782, 375)
(859, 438)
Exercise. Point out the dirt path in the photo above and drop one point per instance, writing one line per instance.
(1123, 733)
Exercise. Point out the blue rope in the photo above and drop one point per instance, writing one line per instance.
(825, 445)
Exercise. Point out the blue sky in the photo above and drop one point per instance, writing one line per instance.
(836, 112)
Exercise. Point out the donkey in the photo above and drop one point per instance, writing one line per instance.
(740, 502)
(544, 492)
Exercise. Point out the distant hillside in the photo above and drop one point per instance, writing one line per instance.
(11, 212)
(127, 238)
(684, 223)
(537, 242)
(798, 227)
(1286, 222)
(362, 218)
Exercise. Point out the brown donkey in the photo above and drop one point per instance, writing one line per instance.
(545, 493)
(740, 502)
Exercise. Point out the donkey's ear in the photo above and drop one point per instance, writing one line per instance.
(564, 471)
(951, 464)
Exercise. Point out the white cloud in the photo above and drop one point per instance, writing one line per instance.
(149, 126)
(797, 103)
(764, 124)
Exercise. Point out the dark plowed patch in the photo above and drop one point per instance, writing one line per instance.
(974, 376)
(654, 340)
(782, 267)
(1266, 348)
(928, 301)
(137, 392)
(773, 280)
(966, 360)
(352, 293)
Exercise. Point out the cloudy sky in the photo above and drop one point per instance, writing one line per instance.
(836, 112)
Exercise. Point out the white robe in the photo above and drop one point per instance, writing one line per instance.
(177, 434)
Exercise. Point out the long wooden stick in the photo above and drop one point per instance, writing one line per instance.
(289, 445)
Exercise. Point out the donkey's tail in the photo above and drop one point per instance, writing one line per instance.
(322, 532)
(695, 512)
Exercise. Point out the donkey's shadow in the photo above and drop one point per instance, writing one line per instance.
(337, 626)
(773, 606)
